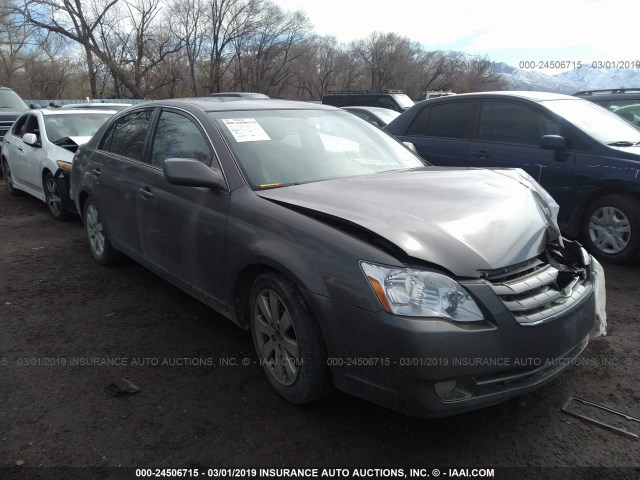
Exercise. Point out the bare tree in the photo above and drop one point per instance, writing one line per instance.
(266, 60)
(230, 22)
(188, 23)
(387, 57)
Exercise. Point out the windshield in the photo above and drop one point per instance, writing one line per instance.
(386, 115)
(403, 100)
(598, 122)
(283, 147)
(80, 124)
(11, 100)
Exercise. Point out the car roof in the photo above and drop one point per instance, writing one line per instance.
(89, 105)
(528, 95)
(370, 109)
(71, 111)
(223, 104)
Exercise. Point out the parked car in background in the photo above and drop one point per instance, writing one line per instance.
(621, 101)
(38, 151)
(391, 99)
(377, 116)
(351, 261)
(586, 157)
(96, 106)
(252, 95)
(11, 106)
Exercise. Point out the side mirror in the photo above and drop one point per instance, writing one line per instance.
(188, 172)
(553, 142)
(30, 139)
(34, 106)
(410, 146)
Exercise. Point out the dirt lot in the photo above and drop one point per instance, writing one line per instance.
(61, 311)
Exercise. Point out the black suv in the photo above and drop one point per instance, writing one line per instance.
(11, 107)
(586, 157)
(392, 99)
(621, 101)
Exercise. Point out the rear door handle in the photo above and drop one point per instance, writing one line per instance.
(482, 154)
(146, 192)
(96, 171)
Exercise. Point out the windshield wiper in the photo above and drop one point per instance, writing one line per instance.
(267, 186)
(622, 143)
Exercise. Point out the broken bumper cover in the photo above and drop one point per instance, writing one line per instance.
(431, 367)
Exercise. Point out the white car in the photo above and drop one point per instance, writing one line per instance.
(97, 106)
(38, 150)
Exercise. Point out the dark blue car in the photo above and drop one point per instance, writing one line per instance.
(586, 157)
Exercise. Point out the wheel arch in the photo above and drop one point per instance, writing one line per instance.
(575, 227)
(242, 288)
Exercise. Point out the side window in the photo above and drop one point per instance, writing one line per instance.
(419, 125)
(127, 135)
(178, 137)
(506, 122)
(19, 126)
(451, 120)
(31, 126)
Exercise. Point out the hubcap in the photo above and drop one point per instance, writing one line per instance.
(276, 335)
(95, 231)
(609, 230)
(53, 197)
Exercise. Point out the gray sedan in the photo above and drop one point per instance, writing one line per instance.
(353, 263)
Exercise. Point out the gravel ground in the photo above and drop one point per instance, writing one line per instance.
(63, 315)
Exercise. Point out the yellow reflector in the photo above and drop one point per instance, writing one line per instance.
(380, 293)
(64, 166)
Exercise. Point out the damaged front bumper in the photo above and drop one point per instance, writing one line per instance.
(538, 318)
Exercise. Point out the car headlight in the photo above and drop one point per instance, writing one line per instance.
(420, 293)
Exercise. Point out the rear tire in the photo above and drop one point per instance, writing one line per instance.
(8, 179)
(97, 237)
(56, 194)
(288, 340)
(611, 228)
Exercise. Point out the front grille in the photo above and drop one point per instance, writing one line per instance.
(537, 292)
(4, 127)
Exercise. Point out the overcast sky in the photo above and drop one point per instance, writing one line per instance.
(507, 31)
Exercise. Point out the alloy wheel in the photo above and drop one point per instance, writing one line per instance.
(54, 200)
(95, 230)
(276, 336)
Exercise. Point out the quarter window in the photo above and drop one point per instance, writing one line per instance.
(178, 137)
(127, 135)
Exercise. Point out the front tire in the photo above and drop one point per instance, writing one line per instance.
(288, 340)
(56, 194)
(97, 237)
(611, 228)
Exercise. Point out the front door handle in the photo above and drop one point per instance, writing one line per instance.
(96, 171)
(482, 154)
(146, 192)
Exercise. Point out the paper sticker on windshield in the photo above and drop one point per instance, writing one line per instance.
(246, 129)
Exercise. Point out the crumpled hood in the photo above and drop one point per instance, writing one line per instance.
(463, 219)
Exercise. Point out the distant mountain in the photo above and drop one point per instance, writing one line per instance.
(584, 78)
(517, 79)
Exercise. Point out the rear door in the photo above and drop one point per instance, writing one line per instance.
(441, 132)
(116, 171)
(182, 228)
(508, 135)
